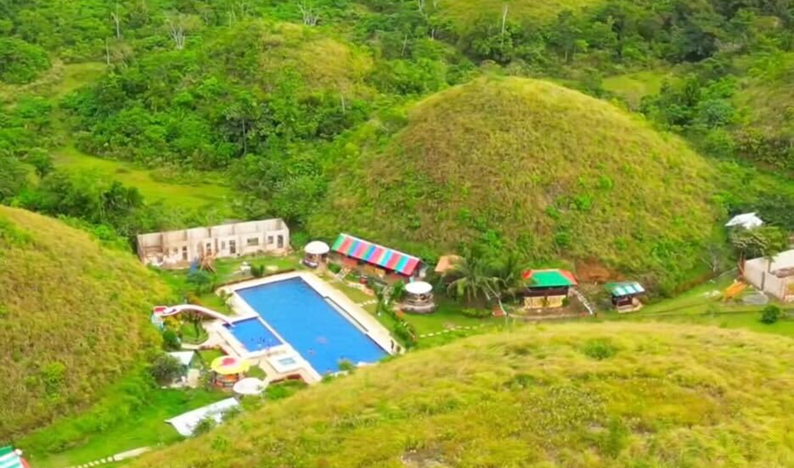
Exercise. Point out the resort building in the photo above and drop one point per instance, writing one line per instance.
(376, 261)
(177, 249)
(624, 295)
(775, 277)
(546, 289)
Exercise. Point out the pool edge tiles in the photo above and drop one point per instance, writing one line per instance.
(354, 334)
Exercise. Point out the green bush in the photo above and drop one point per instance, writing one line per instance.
(334, 268)
(599, 348)
(171, 341)
(165, 368)
(476, 313)
(770, 314)
(258, 271)
(21, 62)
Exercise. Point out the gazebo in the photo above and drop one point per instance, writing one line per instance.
(315, 253)
(228, 370)
(418, 298)
(547, 289)
(624, 295)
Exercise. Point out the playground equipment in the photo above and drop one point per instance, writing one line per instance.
(164, 311)
(732, 291)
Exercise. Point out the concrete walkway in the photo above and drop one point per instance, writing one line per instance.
(115, 458)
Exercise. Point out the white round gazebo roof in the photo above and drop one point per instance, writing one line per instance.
(418, 287)
(317, 248)
(249, 386)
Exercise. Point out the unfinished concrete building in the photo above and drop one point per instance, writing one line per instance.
(177, 249)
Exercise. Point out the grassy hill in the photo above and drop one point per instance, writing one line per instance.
(73, 316)
(518, 163)
(568, 395)
(768, 100)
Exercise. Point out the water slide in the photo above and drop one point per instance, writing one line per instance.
(173, 310)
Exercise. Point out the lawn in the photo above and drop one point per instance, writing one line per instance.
(207, 193)
(634, 86)
(145, 428)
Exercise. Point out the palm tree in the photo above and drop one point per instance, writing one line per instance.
(474, 279)
(509, 272)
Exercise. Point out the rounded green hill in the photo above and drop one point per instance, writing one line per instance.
(574, 396)
(529, 165)
(73, 316)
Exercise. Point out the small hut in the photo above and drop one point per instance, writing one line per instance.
(446, 264)
(624, 295)
(418, 298)
(315, 254)
(228, 370)
(547, 289)
(12, 458)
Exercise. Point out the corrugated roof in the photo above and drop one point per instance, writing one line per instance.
(552, 278)
(624, 288)
(9, 458)
(376, 254)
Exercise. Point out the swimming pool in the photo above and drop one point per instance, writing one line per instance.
(317, 331)
(253, 334)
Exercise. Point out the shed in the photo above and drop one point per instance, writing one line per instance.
(12, 458)
(355, 252)
(624, 295)
(186, 423)
(775, 277)
(446, 264)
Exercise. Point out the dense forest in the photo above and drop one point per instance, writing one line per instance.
(279, 97)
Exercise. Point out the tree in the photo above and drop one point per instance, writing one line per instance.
(770, 314)
(474, 279)
(509, 272)
(165, 368)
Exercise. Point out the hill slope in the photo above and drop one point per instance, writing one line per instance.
(580, 395)
(73, 316)
(538, 166)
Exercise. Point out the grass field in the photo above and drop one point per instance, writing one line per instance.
(146, 428)
(577, 395)
(209, 194)
(634, 86)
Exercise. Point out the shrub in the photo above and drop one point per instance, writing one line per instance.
(165, 368)
(476, 313)
(258, 271)
(171, 341)
(334, 268)
(406, 333)
(770, 314)
(204, 426)
(21, 62)
(599, 349)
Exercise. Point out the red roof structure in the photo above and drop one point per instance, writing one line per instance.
(377, 255)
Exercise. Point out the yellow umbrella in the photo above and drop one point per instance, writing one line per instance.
(227, 365)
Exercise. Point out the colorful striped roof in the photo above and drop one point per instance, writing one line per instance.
(549, 278)
(376, 254)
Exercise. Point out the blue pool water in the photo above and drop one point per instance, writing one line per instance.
(253, 334)
(312, 326)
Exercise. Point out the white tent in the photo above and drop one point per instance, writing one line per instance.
(186, 423)
(745, 220)
(184, 357)
(250, 386)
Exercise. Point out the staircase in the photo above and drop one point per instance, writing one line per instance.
(587, 305)
(342, 273)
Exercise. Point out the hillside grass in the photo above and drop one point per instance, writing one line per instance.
(574, 395)
(73, 317)
(145, 427)
(523, 164)
(207, 191)
(634, 86)
(464, 13)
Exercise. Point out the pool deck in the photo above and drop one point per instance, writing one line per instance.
(344, 305)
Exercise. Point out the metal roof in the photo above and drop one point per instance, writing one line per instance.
(624, 288)
(375, 254)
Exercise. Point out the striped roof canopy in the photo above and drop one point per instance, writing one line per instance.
(625, 288)
(9, 458)
(376, 254)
